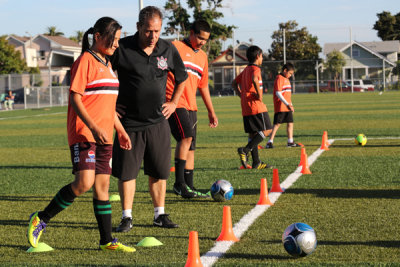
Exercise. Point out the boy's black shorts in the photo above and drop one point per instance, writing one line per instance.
(258, 122)
(183, 124)
(152, 145)
(283, 117)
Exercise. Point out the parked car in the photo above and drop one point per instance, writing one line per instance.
(366, 85)
(342, 86)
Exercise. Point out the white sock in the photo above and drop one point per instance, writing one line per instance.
(270, 141)
(127, 213)
(290, 140)
(158, 211)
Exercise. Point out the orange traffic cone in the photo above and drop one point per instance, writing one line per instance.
(276, 186)
(305, 169)
(243, 168)
(264, 199)
(227, 231)
(324, 141)
(193, 258)
(326, 138)
(303, 152)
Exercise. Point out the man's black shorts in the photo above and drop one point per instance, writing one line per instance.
(152, 145)
(283, 117)
(258, 122)
(183, 124)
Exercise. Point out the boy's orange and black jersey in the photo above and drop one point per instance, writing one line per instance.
(251, 105)
(283, 85)
(95, 80)
(196, 65)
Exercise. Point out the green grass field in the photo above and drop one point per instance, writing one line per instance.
(351, 198)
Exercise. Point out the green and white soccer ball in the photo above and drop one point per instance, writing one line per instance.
(360, 140)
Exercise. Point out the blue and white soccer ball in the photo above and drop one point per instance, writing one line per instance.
(222, 190)
(299, 239)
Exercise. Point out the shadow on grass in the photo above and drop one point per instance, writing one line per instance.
(53, 224)
(251, 256)
(34, 167)
(375, 243)
(348, 193)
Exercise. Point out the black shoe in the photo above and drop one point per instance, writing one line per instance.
(183, 190)
(243, 157)
(125, 225)
(293, 145)
(261, 165)
(164, 222)
(269, 145)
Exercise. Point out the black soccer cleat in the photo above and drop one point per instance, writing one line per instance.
(184, 191)
(164, 222)
(125, 225)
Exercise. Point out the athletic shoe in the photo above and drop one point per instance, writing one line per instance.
(164, 222)
(198, 194)
(293, 145)
(35, 229)
(116, 246)
(125, 225)
(269, 145)
(183, 191)
(243, 157)
(262, 165)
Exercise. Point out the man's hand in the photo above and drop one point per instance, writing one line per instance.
(168, 109)
(124, 141)
(99, 135)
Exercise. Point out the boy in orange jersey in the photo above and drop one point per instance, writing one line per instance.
(183, 122)
(283, 105)
(249, 87)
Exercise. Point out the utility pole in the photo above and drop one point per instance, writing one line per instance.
(284, 46)
(234, 57)
(351, 61)
(140, 5)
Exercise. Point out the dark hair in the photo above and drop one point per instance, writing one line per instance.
(147, 13)
(252, 53)
(288, 66)
(200, 25)
(106, 27)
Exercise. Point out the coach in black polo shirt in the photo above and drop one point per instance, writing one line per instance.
(142, 62)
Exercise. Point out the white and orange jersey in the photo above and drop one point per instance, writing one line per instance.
(97, 83)
(282, 84)
(196, 65)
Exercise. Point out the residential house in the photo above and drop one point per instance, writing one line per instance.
(369, 60)
(53, 55)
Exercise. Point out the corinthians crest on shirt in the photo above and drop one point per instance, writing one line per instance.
(162, 63)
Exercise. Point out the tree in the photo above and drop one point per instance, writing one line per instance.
(179, 22)
(78, 37)
(300, 45)
(10, 59)
(388, 26)
(52, 31)
(334, 63)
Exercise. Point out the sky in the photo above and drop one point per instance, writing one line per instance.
(330, 20)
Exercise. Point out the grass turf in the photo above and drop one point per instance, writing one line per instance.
(351, 199)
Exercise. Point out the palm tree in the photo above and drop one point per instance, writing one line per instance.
(78, 37)
(52, 31)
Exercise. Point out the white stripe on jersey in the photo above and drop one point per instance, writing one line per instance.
(102, 92)
(115, 81)
(193, 65)
(194, 73)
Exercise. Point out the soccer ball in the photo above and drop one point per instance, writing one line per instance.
(221, 190)
(360, 140)
(299, 239)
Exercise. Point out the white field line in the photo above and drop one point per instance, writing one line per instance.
(221, 247)
(38, 115)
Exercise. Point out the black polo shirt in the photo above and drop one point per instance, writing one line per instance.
(143, 80)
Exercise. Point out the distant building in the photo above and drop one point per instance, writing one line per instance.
(222, 68)
(51, 54)
(368, 59)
